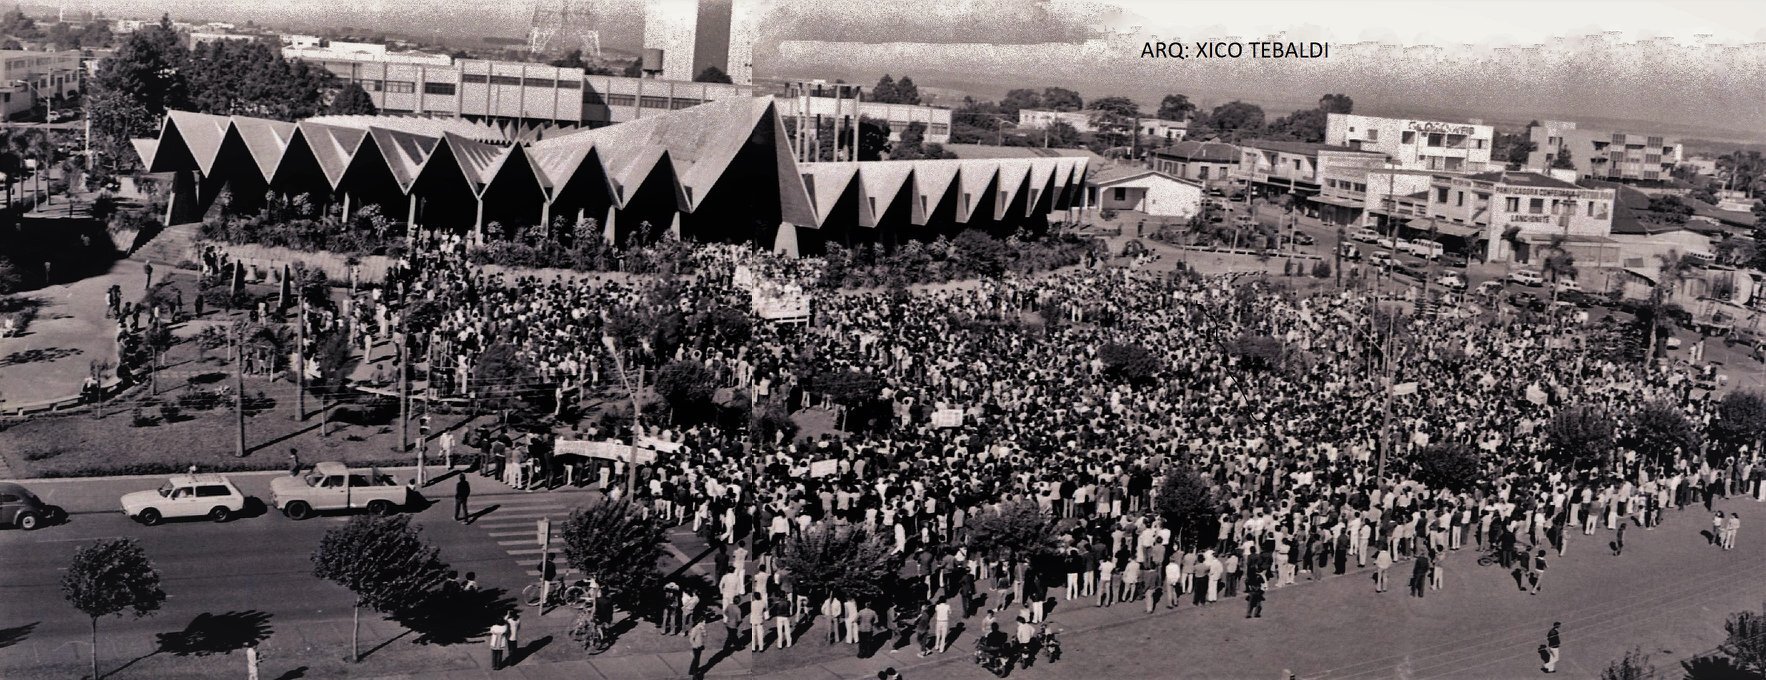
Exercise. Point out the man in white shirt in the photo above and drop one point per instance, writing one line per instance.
(941, 623)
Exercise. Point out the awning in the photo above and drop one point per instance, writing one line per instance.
(1340, 202)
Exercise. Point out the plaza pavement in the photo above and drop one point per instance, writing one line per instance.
(70, 332)
(1669, 593)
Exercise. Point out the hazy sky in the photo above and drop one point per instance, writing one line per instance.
(1094, 45)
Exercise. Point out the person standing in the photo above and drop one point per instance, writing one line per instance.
(251, 660)
(513, 622)
(864, 626)
(1619, 542)
(831, 612)
(732, 626)
(462, 491)
(1538, 571)
(941, 624)
(782, 620)
(696, 639)
(1419, 575)
(1553, 648)
(293, 462)
(499, 644)
(147, 267)
(1382, 563)
(1716, 525)
(1254, 595)
(1731, 527)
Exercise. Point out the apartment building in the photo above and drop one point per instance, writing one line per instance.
(27, 76)
(1614, 156)
(1415, 144)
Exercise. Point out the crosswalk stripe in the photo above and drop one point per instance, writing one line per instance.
(525, 551)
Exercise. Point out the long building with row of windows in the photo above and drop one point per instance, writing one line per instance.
(481, 90)
(719, 172)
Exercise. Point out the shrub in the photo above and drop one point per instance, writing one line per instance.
(1455, 467)
(1321, 269)
(139, 418)
(1131, 363)
(170, 412)
(199, 400)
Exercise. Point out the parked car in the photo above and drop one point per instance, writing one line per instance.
(1303, 238)
(185, 496)
(1526, 300)
(1455, 260)
(333, 486)
(1348, 251)
(1428, 250)
(1381, 258)
(1527, 277)
(23, 509)
(1566, 284)
(1578, 298)
(1490, 288)
(1387, 242)
(1364, 235)
(1452, 281)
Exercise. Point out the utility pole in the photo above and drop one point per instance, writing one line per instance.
(404, 359)
(631, 464)
(300, 360)
(239, 390)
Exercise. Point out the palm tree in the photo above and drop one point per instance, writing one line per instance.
(1558, 263)
(1674, 268)
(1337, 254)
(1512, 236)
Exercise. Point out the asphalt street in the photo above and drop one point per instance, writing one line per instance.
(254, 571)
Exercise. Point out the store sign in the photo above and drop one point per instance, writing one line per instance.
(1428, 126)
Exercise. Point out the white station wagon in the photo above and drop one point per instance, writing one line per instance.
(186, 496)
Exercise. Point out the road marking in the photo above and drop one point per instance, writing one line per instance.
(526, 551)
(505, 534)
(76, 540)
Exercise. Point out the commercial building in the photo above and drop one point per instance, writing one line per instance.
(1604, 155)
(1519, 214)
(693, 35)
(1156, 131)
(1271, 168)
(1415, 144)
(721, 171)
(1210, 163)
(27, 76)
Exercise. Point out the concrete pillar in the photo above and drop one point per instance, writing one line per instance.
(411, 215)
(478, 222)
(346, 206)
(674, 226)
(785, 242)
(546, 218)
(182, 207)
(609, 232)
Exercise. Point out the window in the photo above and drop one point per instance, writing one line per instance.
(1360, 187)
(373, 85)
(1296, 164)
(1591, 209)
(505, 80)
(1652, 158)
(1203, 174)
(438, 88)
(650, 102)
(682, 103)
(211, 491)
(400, 87)
(621, 99)
(1536, 206)
(1435, 138)
(472, 78)
(1440, 194)
(1409, 137)
(1373, 135)
(569, 84)
(940, 129)
(1121, 194)
(1478, 143)
(8, 498)
(1459, 198)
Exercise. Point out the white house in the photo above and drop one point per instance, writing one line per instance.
(1145, 191)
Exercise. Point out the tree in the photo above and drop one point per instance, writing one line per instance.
(502, 375)
(1580, 436)
(1634, 665)
(1336, 103)
(685, 385)
(618, 545)
(1559, 262)
(1236, 117)
(1452, 466)
(1741, 418)
(850, 560)
(884, 92)
(1305, 125)
(1659, 430)
(352, 100)
(1018, 99)
(1130, 363)
(906, 92)
(384, 561)
(712, 74)
(635, 69)
(1061, 135)
(1562, 161)
(1019, 529)
(1061, 99)
(1188, 508)
(1256, 351)
(109, 577)
(572, 60)
(135, 86)
(1746, 644)
(1121, 106)
(1175, 107)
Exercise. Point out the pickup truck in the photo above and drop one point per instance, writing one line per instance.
(332, 486)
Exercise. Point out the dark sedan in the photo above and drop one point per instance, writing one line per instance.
(23, 509)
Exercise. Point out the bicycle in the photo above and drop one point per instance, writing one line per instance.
(558, 595)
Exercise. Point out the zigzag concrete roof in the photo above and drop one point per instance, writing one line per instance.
(695, 146)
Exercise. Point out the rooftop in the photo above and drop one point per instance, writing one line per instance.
(1218, 152)
(1302, 148)
(966, 151)
(1531, 179)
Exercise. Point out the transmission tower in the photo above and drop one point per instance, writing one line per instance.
(566, 19)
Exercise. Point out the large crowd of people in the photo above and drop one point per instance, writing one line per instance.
(1288, 450)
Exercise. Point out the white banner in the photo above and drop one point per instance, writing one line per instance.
(950, 417)
(604, 450)
(1535, 394)
(824, 468)
(1402, 389)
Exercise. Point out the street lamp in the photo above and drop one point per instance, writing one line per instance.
(631, 464)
